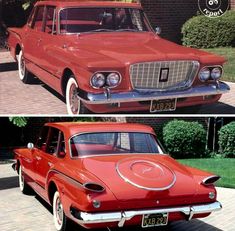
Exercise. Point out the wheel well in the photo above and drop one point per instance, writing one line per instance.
(18, 165)
(65, 78)
(18, 49)
(51, 191)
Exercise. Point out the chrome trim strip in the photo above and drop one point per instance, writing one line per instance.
(140, 186)
(136, 96)
(122, 216)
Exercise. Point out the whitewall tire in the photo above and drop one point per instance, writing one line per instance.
(59, 217)
(24, 75)
(74, 105)
(24, 188)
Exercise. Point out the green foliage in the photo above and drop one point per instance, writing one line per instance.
(204, 32)
(184, 139)
(227, 140)
(19, 121)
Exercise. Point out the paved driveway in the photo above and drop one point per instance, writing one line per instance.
(20, 212)
(37, 98)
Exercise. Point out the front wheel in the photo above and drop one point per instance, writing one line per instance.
(24, 188)
(60, 220)
(24, 74)
(74, 105)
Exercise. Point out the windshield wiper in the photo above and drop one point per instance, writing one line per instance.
(100, 30)
(133, 30)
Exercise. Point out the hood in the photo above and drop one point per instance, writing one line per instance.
(138, 177)
(127, 48)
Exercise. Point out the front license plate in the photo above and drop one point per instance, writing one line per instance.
(163, 105)
(151, 220)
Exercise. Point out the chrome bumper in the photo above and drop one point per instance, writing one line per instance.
(142, 95)
(121, 217)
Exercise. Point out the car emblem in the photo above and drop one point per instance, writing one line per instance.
(147, 170)
(164, 73)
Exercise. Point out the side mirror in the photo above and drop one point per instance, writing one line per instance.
(158, 30)
(30, 146)
(61, 154)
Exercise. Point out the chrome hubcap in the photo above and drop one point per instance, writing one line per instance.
(59, 211)
(73, 99)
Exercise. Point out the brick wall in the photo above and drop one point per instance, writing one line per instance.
(170, 15)
(232, 4)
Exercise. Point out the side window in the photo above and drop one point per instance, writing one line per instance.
(50, 24)
(38, 19)
(51, 141)
(42, 139)
(31, 17)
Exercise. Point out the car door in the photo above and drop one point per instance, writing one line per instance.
(32, 37)
(47, 155)
(49, 48)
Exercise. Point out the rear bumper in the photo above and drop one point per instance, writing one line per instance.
(84, 218)
(135, 96)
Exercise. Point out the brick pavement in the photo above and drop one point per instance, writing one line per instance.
(37, 98)
(20, 212)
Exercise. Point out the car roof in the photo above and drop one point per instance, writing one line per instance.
(72, 128)
(71, 3)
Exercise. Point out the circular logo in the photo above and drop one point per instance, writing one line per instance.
(213, 8)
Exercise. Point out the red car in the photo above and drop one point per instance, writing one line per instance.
(105, 57)
(112, 175)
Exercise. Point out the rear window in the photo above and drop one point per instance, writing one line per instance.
(113, 143)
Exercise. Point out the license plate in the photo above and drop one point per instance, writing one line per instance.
(152, 220)
(163, 105)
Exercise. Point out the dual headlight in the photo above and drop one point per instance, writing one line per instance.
(210, 73)
(105, 79)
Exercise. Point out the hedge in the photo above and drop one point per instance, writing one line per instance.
(227, 140)
(204, 32)
(184, 139)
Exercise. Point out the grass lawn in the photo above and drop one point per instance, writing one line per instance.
(222, 167)
(229, 67)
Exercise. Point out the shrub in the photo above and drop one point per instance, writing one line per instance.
(227, 140)
(184, 139)
(204, 32)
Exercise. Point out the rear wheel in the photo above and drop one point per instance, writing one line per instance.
(74, 105)
(24, 74)
(60, 220)
(24, 188)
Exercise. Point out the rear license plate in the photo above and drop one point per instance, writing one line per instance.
(152, 220)
(163, 105)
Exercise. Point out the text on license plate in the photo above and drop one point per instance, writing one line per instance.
(163, 105)
(151, 220)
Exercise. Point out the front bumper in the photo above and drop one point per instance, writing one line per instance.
(138, 95)
(84, 218)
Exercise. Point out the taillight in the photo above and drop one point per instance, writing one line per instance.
(210, 180)
(94, 187)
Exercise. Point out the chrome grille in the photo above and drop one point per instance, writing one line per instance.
(147, 75)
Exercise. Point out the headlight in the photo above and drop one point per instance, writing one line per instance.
(98, 80)
(216, 73)
(204, 74)
(113, 79)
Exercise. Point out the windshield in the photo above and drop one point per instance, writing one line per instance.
(113, 143)
(80, 20)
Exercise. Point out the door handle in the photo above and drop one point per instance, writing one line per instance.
(38, 157)
(49, 164)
